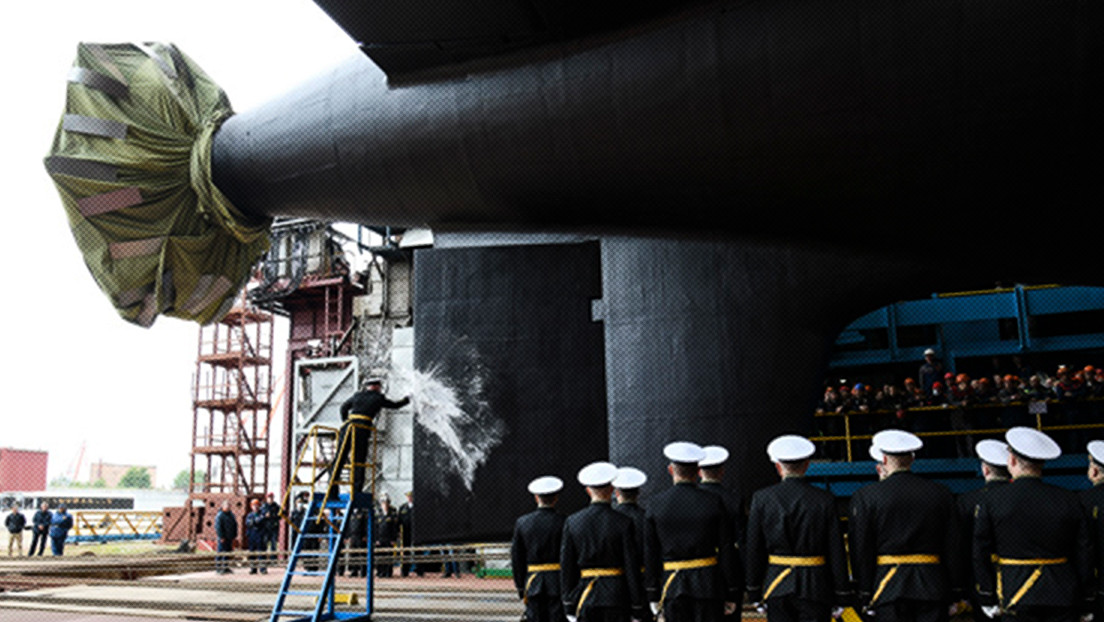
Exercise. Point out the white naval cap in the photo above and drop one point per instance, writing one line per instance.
(1096, 451)
(897, 442)
(1032, 444)
(547, 485)
(790, 448)
(714, 455)
(681, 451)
(597, 474)
(629, 478)
(876, 454)
(992, 451)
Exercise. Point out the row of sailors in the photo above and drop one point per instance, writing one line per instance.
(1018, 547)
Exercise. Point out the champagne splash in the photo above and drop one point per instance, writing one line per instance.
(461, 422)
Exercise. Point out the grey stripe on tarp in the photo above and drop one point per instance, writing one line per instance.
(96, 80)
(109, 201)
(94, 126)
(135, 248)
(85, 169)
(166, 68)
(131, 297)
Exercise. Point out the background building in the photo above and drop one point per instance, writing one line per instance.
(112, 474)
(22, 469)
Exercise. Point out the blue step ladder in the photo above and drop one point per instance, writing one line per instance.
(315, 527)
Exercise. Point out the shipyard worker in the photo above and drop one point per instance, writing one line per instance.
(385, 533)
(711, 470)
(270, 510)
(406, 530)
(226, 530)
(1032, 554)
(354, 439)
(796, 564)
(690, 563)
(15, 522)
(904, 538)
(930, 371)
(993, 456)
(599, 567)
(60, 524)
(357, 562)
(535, 553)
(1093, 502)
(626, 488)
(40, 529)
(255, 536)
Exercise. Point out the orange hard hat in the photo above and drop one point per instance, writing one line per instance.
(962, 378)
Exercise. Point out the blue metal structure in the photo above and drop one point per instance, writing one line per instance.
(971, 324)
(333, 535)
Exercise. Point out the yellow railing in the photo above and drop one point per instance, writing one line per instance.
(313, 450)
(116, 523)
(848, 438)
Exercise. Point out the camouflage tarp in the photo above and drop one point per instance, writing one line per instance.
(131, 160)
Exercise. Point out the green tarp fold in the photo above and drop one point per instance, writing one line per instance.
(131, 161)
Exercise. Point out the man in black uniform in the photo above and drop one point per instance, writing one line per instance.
(1032, 552)
(993, 455)
(904, 538)
(406, 529)
(226, 530)
(535, 553)
(599, 567)
(626, 487)
(690, 562)
(355, 440)
(1093, 502)
(40, 529)
(796, 564)
(711, 470)
(270, 509)
(385, 533)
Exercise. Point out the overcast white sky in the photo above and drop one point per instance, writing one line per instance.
(74, 371)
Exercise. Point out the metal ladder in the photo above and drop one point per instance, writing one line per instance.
(333, 534)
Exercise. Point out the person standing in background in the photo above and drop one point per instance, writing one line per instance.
(40, 529)
(60, 525)
(15, 522)
(226, 529)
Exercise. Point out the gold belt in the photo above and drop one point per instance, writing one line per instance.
(593, 574)
(1038, 563)
(533, 570)
(790, 561)
(356, 416)
(685, 564)
(896, 561)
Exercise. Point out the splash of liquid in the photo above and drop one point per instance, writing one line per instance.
(462, 424)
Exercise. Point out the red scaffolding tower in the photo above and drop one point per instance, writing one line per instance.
(232, 402)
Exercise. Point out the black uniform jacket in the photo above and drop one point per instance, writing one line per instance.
(356, 528)
(387, 526)
(1093, 502)
(796, 519)
(967, 508)
(536, 541)
(686, 523)
(599, 537)
(905, 514)
(637, 514)
(1029, 519)
(734, 509)
(369, 403)
(226, 526)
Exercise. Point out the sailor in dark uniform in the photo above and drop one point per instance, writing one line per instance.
(1093, 502)
(711, 470)
(1032, 552)
(993, 455)
(905, 551)
(599, 567)
(796, 563)
(626, 487)
(535, 553)
(690, 561)
(355, 440)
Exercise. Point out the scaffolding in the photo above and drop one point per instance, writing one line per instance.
(232, 400)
